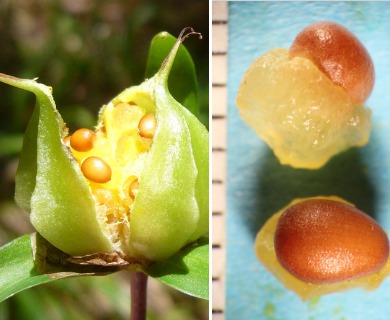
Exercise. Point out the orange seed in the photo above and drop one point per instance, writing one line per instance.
(147, 126)
(82, 140)
(133, 189)
(96, 170)
(121, 104)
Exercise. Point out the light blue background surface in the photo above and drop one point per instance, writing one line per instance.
(258, 185)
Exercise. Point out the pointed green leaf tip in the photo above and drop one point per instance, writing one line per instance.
(182, 82)
(171, 206)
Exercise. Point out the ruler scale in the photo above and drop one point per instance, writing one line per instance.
(219, 111)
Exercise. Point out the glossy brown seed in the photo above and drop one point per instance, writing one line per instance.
(133, 189)
(96, 170)
(147, 125)
(325, 241)
(340, 55)
(82, 140)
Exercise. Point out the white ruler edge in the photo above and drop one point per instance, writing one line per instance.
(219, 112)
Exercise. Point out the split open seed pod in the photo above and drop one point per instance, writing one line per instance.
(137, 185)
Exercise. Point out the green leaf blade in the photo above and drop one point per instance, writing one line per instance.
(17, 271)
(187, 271)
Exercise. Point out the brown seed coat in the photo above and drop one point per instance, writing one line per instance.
(325, 241)
(340, 55)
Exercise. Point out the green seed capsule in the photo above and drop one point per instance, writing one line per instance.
(84, 210)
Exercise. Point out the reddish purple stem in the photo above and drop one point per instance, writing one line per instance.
(138, 281)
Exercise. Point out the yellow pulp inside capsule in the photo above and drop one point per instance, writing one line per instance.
(301, 114)
(265, 252)
(113, 165)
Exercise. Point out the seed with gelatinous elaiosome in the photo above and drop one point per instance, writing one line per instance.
(340, 55)
(147, 126)
(96, 170)
(133, 189)
(326, 241)
(306, 103)
(82, 140)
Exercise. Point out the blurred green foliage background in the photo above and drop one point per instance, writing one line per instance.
(88, 51)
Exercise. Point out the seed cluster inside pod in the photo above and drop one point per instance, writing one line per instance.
(111, 159)
(321, 245)
(307, 102)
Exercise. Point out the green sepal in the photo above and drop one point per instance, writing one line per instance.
(171, 208)
(182, 82)
(49, 183)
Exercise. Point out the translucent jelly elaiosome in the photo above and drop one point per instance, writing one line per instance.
(303, 111)
(351, 251)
